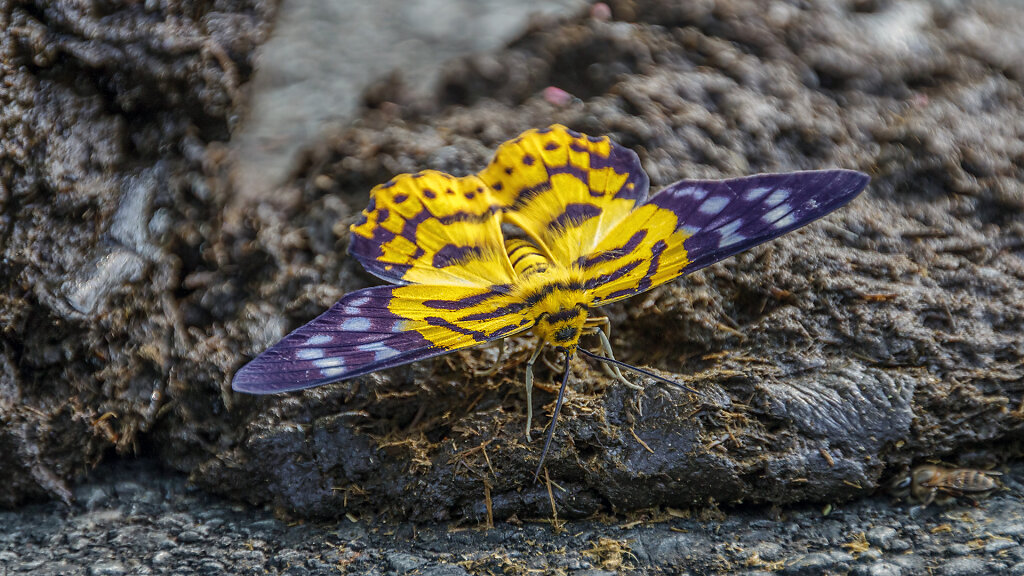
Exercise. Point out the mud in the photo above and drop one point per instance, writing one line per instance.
(112, 118)
(828, 361)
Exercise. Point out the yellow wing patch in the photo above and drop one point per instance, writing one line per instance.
(432, 228)
(457, 317)
(566, 191)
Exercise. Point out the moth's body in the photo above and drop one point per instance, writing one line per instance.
(558, 224)
(556, 296)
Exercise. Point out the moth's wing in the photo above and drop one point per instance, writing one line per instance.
(694, 223)
(566, 190)
(432, 228)
(378, 328)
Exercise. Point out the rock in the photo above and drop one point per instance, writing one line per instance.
(884, 569)
(909, 563)
(965, 566)
(958, 549)
(899, 545)
(998, 545)
(107, 568)
(1015, 529)
(403, 563)
(128, 298)
(817, 563)
(882, 536)
(768, 551)
(878, 569)
(453, 570)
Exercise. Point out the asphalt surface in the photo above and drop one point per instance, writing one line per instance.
(135, 518)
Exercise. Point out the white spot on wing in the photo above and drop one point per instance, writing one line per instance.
(358, 301)
(380, 351)
(729, 236)
(332, 372)
(318, 340)
(355, 324)
(714, 205)
(329, 362)
(777, 212)
(691, 192)
(310, 353)
(755, 193)
(778, 196)
(786, 220)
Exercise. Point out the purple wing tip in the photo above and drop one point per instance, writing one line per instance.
(356, 336)
(726, 217)
(251, 379)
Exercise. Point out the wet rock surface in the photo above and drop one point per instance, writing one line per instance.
(136, 518)
(835, 357)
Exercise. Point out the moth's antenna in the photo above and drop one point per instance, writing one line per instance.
(554, 419)
(637, 370)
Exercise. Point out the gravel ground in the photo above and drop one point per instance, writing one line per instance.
(134, 518)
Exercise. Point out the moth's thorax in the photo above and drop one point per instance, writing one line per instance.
(562, 327)
(558, 301)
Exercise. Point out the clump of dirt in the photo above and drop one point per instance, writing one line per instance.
(888, 333)
(111, 119)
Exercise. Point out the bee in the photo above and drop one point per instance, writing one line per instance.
(930, 483)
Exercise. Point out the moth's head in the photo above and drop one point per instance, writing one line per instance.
(562, 328)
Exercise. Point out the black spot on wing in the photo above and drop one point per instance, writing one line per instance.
(574, 215)
(451, 254)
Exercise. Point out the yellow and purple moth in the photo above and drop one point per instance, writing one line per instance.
(556, 226)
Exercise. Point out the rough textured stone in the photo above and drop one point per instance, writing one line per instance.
(885, 335)
(827, 359)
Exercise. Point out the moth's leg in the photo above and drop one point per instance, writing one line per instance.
(497, 364)
(929, 499)
(529, 388)
(604, 328)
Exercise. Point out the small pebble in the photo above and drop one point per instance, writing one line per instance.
(451, 570)
(909, 563)
(557, 97)
(768, 551)
(880, 569)
(899, 545)
(964, 567)
(1016, 529)
(810, 564)
(601, 12)
(403, 563)
(997, 545)
(871, 554)
(107, 568)
(958, 549)
(882, 536)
